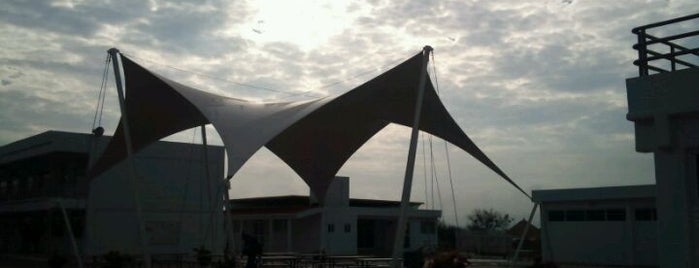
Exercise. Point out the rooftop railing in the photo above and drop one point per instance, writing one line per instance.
(668, 53)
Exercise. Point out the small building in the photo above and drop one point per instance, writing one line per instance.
(338, 225)
(606, 226)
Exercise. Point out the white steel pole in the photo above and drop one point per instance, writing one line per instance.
(73, 243)
(228, 218)
(524, 235)
(409, 168)
(116, 60)
(209, 199)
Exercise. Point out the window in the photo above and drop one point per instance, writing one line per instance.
(616, 215)
(575, 215)
(427, 227)
(645, 214)
(279, 225)
(556, 215)
(259, 228)
(348, 228)
(236, 227)
(406, 242)
(595, 215)
(331, 228)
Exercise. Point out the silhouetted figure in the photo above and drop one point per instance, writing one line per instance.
(252, 249)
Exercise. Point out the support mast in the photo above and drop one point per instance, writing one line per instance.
(409, 168)
(116, 60)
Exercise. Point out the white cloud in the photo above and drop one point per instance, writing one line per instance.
(537, 84)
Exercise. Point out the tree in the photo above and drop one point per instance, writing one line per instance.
(488, 220)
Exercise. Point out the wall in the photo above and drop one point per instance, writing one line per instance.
(174, 194)
(305, 234)
(590, 240)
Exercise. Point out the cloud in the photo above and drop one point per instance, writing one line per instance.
(538, 85)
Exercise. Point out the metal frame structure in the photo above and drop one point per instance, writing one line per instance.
(646, 55)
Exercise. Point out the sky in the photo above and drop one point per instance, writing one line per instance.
(538, 85)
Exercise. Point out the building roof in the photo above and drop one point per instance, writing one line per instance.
(297, 203)
(43, 143)
(597, 193)
(52, 141)
(518, 229)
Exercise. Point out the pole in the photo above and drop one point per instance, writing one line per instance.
(410, 166)
(73, 243)
(116, 60)
(228, 218)
(210, 202)
(524, 234)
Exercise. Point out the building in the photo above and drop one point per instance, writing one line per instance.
(532, 241)
(607, 226)
(43, 183)
(664, 109)
(337, 226)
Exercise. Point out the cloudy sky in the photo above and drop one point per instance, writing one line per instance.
(538, 85)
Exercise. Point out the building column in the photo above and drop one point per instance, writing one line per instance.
(288, 235)
(673, 209)
(270, 237)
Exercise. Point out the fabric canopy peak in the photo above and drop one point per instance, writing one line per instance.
(314, 137)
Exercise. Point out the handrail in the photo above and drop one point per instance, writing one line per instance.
(647, 56)
(663, 23)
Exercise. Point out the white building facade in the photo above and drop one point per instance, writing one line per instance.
(337, 226)
(600, 227)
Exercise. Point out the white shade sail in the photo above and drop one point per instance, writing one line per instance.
(315, 138)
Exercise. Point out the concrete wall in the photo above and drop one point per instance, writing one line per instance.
(306, 235)
(664, 110)
(174, 196)
(627, 242)
(342, 240)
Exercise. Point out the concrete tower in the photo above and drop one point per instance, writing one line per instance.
(664, 106)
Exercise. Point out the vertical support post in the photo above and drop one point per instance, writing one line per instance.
(410, 166)
(524, 235)
(230, 237)
(73, 243)
(116, 60)
(672, 59)
(209, 199)
(642, 56)
(288, 235)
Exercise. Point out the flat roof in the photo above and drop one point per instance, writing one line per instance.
(63, 141)
(596, 193)
(300, 200)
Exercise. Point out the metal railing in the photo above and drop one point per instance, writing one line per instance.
(677, 55)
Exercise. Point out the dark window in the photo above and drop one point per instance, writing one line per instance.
(331, 228)
(616, 215)
(279, 225)
(427, 227)
(556, 215)
(406, 242)
(575, 215)
(645, 214)
(348, 228)
(594, 215)
(366, 233)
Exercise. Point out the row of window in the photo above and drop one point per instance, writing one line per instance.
(615, 214)
(331, 228)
